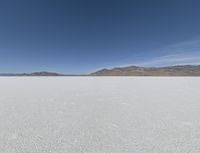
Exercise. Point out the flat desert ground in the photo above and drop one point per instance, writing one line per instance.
(99, 115)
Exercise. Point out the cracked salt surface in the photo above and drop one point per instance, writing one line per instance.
(99, 115)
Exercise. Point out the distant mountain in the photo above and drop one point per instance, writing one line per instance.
(33, 74)
(179, 70)
(45, 74)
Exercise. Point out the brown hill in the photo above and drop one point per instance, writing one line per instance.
(180, 70)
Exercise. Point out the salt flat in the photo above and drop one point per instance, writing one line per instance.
(99, 115)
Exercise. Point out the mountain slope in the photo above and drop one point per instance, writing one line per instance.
(180, 70)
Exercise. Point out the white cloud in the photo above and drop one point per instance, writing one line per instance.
(179, 54)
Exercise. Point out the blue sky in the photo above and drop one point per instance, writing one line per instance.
(81, 36)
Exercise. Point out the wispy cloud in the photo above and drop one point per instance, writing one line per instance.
(179, 54)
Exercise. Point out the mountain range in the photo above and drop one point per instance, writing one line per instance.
(179, 70)
(43, 73)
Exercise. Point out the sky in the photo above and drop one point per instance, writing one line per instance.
(82, 36)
